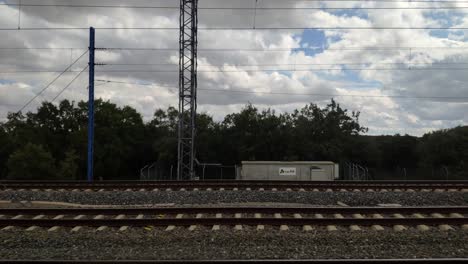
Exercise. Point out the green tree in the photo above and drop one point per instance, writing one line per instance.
(31, 162)
(68, 169)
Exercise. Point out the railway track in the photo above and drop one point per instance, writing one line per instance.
(318, 186)
(259, 218)
(302, 261)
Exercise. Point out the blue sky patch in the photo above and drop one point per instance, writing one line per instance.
(5, 81)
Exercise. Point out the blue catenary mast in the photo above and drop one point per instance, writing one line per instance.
(91, 106)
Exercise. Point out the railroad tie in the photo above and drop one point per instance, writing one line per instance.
(122, 228)
(172, 227)
(425, 190)
(193, 227)
(33, 228)
(370, 190)
(209, 189)
(55, 228)
(330, 228)
(259, 227)
(328, 190)
(101, 228)
(36, 190)
(315, 190)
(140, 216)
(236, 189)
(302, 190)
(182, 189)
(343, 190)
(86, 190)
(452, 190)
(383, 190)
(457, 215)
(217, 227)
(168, 190)
(155, 190)
(377, 227)
(75, 190)
(288, 189)
(261, 189)
(247, 189)
(78, 228)
(334, 228)
(282, 227)
(195, 189)
(221, 189)
(274, 189)
(142, 190)
(305, 228)
(11, 227)
(464, 190)
(442, 227)
(128, 190)
(238, 227)
(410, 190)
(421, 227)
(439, 190)
(101, 190)
(356, 227)
(398, 228)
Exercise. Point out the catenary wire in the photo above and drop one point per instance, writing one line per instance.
(50, 83)
(303, 94)
(240, 8)
(260, 70)
(70, 83)
(233, 28)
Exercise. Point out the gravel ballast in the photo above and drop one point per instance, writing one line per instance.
(215, 197)
(182, 244)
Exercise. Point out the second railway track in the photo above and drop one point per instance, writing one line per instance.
(307, 218)
(343, 186)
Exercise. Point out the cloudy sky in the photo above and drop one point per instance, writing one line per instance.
(402, 80)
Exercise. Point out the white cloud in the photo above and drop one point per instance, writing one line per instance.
(244, 68)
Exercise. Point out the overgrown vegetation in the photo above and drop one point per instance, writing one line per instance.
(51, 143)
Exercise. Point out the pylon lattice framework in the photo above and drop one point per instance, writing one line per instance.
(187, 88)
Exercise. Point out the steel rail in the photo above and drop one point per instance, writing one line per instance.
(241, 181)
(413, 221)
(235, 184)
(233, 210)
(253, 261)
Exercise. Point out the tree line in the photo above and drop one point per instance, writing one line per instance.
(51, 143)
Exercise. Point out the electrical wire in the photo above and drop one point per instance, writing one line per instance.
(50, 83)
(263, 70)
(280, 49)
(240, 8)
(69, 84)
(299, 94)
(233, 28)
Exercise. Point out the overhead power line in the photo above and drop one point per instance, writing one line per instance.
(262, 70)
(69, 84)
(279, 49)
(234, 28)
(50, 83)
(343, 64)
(300, 94)
(242, 8)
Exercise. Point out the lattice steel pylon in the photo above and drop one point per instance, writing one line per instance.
(187, 89)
